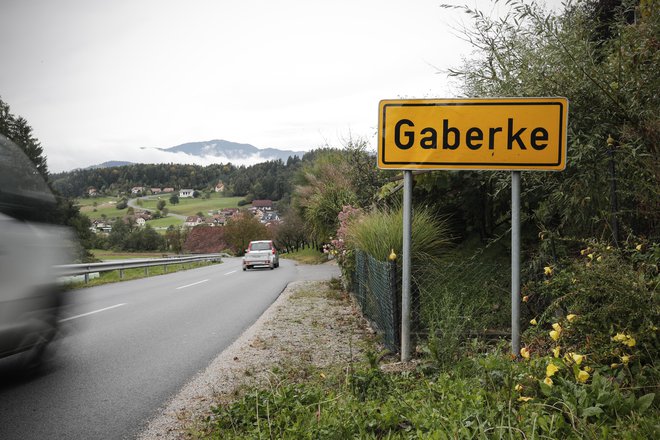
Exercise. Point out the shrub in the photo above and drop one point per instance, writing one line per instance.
(610, 291)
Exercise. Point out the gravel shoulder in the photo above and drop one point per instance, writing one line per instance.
(310, 324)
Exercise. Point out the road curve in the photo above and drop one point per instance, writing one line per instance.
(130, 346)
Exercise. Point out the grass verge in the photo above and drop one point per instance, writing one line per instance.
(307, 256)
(134, 274)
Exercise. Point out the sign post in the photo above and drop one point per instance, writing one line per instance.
(515, 262)
(513, 134)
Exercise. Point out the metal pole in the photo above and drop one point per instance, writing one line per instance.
(515, 262)
(405, 288)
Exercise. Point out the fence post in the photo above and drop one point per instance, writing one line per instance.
(121, 274)
(395, 312)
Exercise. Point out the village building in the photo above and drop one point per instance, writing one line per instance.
(186, 193)
(264, 205)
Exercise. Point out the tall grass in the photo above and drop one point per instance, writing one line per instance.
(381, 231)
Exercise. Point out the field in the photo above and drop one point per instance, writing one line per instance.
(190, 206)
(96, 208)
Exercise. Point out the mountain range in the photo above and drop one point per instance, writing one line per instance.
(219, 150)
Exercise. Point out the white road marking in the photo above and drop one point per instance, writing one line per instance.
(91, 313)
(193, 284)
(233, 271)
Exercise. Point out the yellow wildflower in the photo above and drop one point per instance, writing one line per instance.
(591, 256)
(533, 322)
(619, 337)
(599, 259)
(577, 358)
(547, 270)
(582, 376)
(524, 352)
(518, 387)
(584, 251)
(571, 317)
(525, 298)
(554, 334)
(588, 369)
(614, 365)
(625, 359)
(524, 399)
(556, 326)
(556, 351)
(551, 369)
(630, 341)
(638, 247)
(609, 248)
(322, 375)
(392, 255)
(547, 381)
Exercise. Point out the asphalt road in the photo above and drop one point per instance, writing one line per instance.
(128, 347)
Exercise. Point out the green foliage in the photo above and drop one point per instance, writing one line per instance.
(243, 228)
(476, 399)
(610, 290)
(381, 231)
(605, 63)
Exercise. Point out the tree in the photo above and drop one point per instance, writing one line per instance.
(611, 81)
(174, 199)
(243, 228)
(160, 205)
(18, 130)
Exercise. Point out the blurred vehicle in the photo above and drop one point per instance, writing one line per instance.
(30, 297)
(261, 253)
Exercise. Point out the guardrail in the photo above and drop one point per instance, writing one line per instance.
(107, 266)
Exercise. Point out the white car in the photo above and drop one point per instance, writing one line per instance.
(30, 298)
(261, 253)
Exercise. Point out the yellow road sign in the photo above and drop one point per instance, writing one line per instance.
(484, 134)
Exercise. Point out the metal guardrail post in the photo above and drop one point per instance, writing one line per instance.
(121, 274)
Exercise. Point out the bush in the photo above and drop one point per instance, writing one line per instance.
(608, 292)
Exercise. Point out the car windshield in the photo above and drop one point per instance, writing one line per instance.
(263, 246)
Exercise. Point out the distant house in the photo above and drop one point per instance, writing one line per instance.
(186, 193)
(228, 212)
(137, 190)
(91, 191)
(264, 205)
(140, 221)
(192, 221)
(220, 187)
(156, 190)
(100, 226)
(168, 190)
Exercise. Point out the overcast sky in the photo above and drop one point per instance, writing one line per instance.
(99, 79)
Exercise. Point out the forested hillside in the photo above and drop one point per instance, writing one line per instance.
(267, 180)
